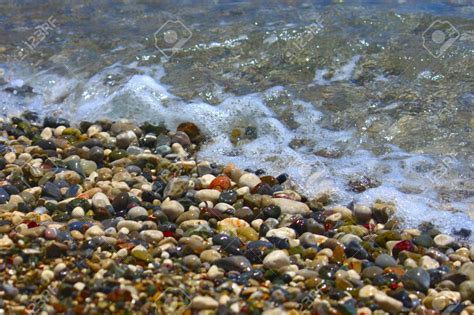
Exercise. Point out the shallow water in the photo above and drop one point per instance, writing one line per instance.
(335, 91)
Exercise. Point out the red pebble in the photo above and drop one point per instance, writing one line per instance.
(32, 224)
(168, 233)
(370, 227)
(327, 226)
(401, 246)
(220, 183)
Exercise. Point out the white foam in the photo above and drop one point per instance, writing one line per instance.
(342, 74)
(143, 97)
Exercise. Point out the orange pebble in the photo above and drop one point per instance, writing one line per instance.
(397, 270)
(220, 183)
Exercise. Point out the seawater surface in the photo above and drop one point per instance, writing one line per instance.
(329, 92)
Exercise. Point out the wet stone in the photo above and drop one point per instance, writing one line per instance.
(423, 240)
(46, 144)
(354, 249)
(137, 213)
(229, 197)
(371, 272)
(234, 263)
(52, 191)
(225, 240)
(193, 131)
(54, 122)
(176, 188)
(384, 260)
(4, 196)
(120, 201)
(244, 213)
(272, 211)
(416, 279)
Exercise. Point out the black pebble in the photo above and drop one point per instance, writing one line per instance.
(54, 122)
(4, 196)
(282, 178)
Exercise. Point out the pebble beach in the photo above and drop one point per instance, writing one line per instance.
(113, 217)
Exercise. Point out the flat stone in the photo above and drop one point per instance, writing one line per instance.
(283, 232)
(152, 235)
(94, 231)
(204, 303)
(208, 195)
(443, 240)
(130, 225)
(387, 303)
(210, 255)
(234, 263)
(249, 180)
(291, 207)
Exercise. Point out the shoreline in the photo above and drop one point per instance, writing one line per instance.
(114, 217)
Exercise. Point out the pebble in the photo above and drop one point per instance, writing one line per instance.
(176, 187)
(208, 195)
(210, 255)
(192, 262)
(137, 213)
(237, 263)
(59, 267)
(387, 303)
(231, 225)
(291, 207)
(4, 196)
(249, 180)
(468, 270)
(152, 235)
(125, 139)
(47, 275)
(78, 212)
(283, 232)
(362, 213)
(130, 225)
(172, 208)
(214, 273)
(416, 279)
(466, 290)
(384, 260)
(367, 291)
(276, 259)
(443, 240)
(204, 303)
(100, 200)
(427, 263)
